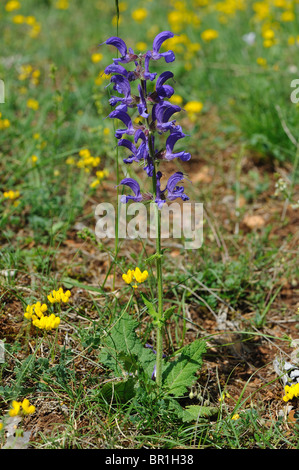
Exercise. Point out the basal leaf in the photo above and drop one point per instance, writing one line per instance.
(122, 347)
(196, 412)
(180, 374)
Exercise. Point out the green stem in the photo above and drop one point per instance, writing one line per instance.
(159, 332)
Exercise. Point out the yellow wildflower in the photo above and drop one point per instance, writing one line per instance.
(62, 5)
(96, 57)
(11, 194)
(12, 5)
(141, 46)
(193, 108)
(46, 322)
(27, 408)
(21, 408)
(176, 99)
(34, 158)
(15, 408)
(59, 296)
(4, 123)
(1, 426)
(19, 19)
(32, 104)
(288, 16)
(135, 275)
(235, 416)
(209, 35)
(291, 392)
(261, 61)
(139, 15)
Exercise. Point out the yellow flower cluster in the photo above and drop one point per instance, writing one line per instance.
(182, 15)
(27, 72)
(32, 104)
(35, 312)
(193, 108)
(291, 392)
(62, 4)
(87, 161)
(209, 34)
(139, 15)
(4, 123)
(12, 5)
(59, 296)
(101, 174)
(31, 21)
(21, 408)
(136, 275)
(11, 194)
(96, 57)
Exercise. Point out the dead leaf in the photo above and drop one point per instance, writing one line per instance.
(254, 221)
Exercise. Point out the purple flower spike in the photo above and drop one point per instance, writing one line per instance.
(125, 118)
(135, 188)
(122, 48)
(170, 142)
(173, 191)
(162, 113)
(164, 91)
(158, 41)
(129, 145)
(142, 108)
(122, 85)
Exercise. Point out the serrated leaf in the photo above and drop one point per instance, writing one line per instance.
(168, 312)
(195, 412)
(122, 346)
(180, 374)
(151, 309)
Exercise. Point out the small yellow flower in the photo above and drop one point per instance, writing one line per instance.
(32, 104)
(21, 408)
(135, 275)
(141, 46)
(46, 322)
(19, 19)
(27, 408)
(12, 5)
(209, 35)
(139, 15)
(235, 416)
(96, 57)
(15, 408)
(59, 296)
(261, 61)
(11, 194)
(128, 278)
(176, 99)
(62, 5)
(34, 158)
(1, 426)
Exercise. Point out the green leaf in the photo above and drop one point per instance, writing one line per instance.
(123, 351)
(152, 312)
(121, 391)
(180, 374)
(195, 412)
